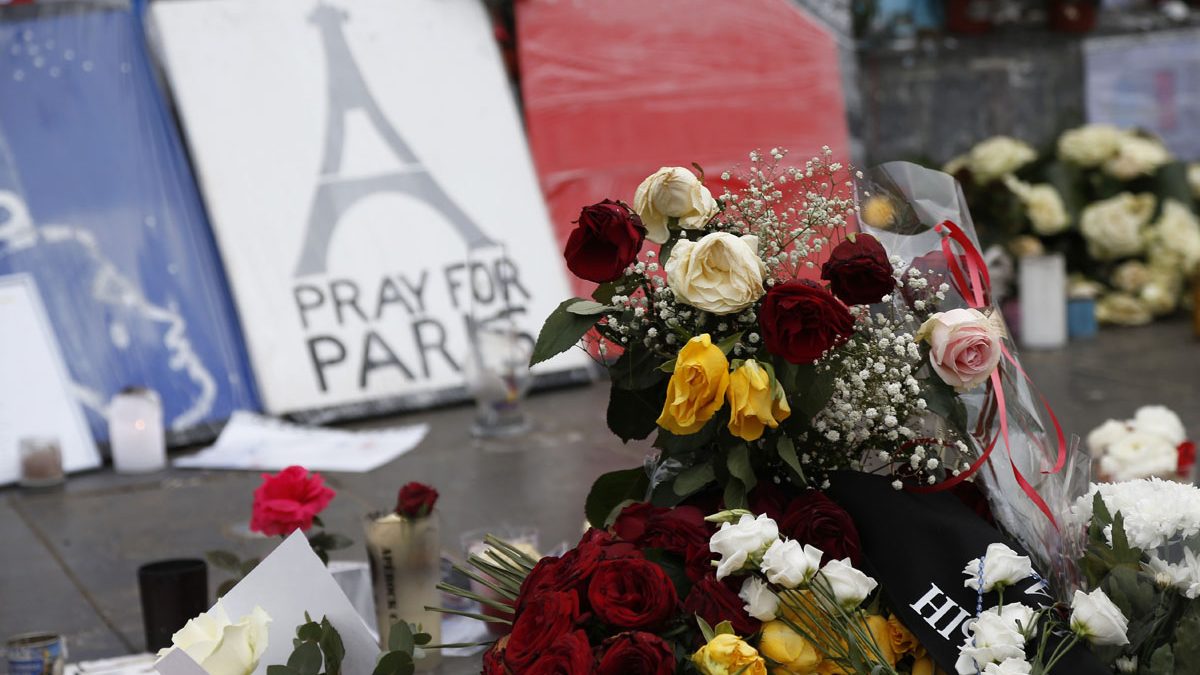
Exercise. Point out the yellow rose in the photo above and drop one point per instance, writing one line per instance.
(925, 666)
(794, 654)
(697, 387)
(753, 405)
(728, 654)
(877, 627)
(902, 640)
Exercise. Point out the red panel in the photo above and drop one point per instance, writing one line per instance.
(614, 89)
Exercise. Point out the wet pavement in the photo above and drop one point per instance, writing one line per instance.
(68, 558)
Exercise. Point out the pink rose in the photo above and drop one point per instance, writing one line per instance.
(964, 346)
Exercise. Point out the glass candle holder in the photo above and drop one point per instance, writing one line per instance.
(135, 430)
(1043, 286)
(497, 375)
(41, 462)
(405, 558)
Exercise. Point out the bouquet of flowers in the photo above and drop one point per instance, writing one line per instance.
(1114, 202)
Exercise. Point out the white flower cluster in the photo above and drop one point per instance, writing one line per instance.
(752, 544)
(1156, 512)
(1147, 445)
(1125, 155)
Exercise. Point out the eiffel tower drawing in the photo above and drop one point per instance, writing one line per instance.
(336, 195)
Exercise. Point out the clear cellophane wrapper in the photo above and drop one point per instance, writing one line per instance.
(902, 204)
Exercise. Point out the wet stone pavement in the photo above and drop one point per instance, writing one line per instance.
(68, 558)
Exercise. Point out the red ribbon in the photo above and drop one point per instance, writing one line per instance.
(974, 285)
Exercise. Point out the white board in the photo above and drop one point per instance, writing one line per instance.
(369, 184)
(35, 392)
(1149, 81)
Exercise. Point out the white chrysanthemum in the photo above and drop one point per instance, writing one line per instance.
(1043, 206)
(1155, 511)
(1161, 420)
(997, 157)
(1114, 227)
(1139, 455)
(1136, 156)
(1105, 435)
(1090, 145)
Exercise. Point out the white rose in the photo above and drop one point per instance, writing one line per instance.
(1161, 420)
(673, 192)
(721, 273)
(1009, 667)
(1020, 617)
(742, 543)
(997, 157)
(1131, 276)
(1139, 455)
(1043, 206)
(761, 601)
(1002, 567)
(1105, 435)
(1193, 175)
(1095, 618)
(1122, 309)
(1113, 227)
(790, 565)
(1136, 156)
(220, 646)
(1175, 239)
(1089, 145)
(994, 639)
(848, 586)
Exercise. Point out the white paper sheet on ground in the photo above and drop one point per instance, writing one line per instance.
(255, 442)
(288, 583)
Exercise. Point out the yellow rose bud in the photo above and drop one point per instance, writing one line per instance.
(753, 405)
(697, 388)
(794, 654)
(728, 654)
(902, 640)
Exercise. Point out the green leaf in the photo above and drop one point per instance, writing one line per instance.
(735, 494)
(400, 639)
(610, 490)
(705, 629)
(280, 670)
(604, 292)
(726, 346)
(787, 452)
(738, 463)
(1187, 642)
(636, 369)
(249, 565)
(634, 414)
(674, 567)
(395, 663)
(332, 647)
(725, 628)
(668, 367)
(694, 478)
(942, 400)
(561, 331)
(587, 308)
(1163, 661)
(306, 660)
(224, 560)
(810, 388)
(309, 631)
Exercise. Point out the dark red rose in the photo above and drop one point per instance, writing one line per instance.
(858, 270)
(571, 654)
(541, 579)
(636, 653)
(674, 530)
(547, 618)
(715, 602)
(812, 518)
(632, 593)
(416, 500)
(610, 547)
(768, 498)
(493, 659)
(288, 501)
(607, 239)
(800, 321)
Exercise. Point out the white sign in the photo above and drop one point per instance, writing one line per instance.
(35, 393)
(370, 188)
(1150, 82)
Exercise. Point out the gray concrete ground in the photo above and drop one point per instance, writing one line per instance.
(68, 558)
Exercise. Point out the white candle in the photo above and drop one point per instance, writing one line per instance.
(135, 431)
(1043, 286)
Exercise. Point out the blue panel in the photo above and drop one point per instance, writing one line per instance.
(98, 203)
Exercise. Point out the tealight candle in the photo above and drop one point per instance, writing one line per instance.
(41, 462)
(135, 431)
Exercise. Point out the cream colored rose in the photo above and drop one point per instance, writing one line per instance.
(1193, 175)
(221, 646)
(1043, 206)
(673, 192)
(1175, 239)
(1122, 309)
(1162, 291)
(997, 157)
(1131, 276)
(721, 273)
(1114, 227)
(1090, 145)
(1136, 156)
(1024, 246)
